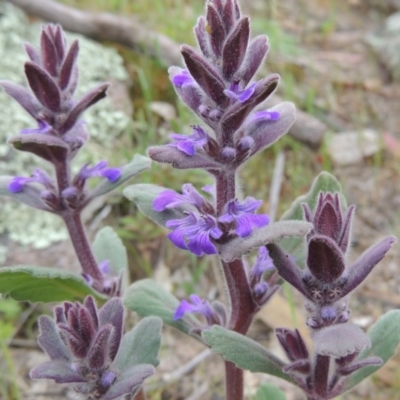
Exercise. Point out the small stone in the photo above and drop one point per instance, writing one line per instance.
(352, 147)
(163, 109)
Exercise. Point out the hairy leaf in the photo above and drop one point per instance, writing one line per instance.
(271, 233)
(140, 345)
(29, 283)
(268, 391)
(243, 351)
(108, 246)
(146, 297)
(385, 337)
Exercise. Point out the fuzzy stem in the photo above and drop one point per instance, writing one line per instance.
(242, 305)
(225, 190)
(234, 389)
(72, 219)
(321, 375)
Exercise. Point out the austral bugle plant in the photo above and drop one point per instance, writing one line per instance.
(308, 248)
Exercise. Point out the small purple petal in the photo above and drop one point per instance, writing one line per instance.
(100, 169)
(39, 176)
(182, 78)
(43, 127)
(198, 306)
(264, 115)
(189, 143)
(243, 214)
(194, 232)
(328, 313)
(170, 198)
(260, 289)
(235, 93)
(104, 267)
(263, 263)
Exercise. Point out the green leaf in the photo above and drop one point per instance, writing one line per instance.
(141, 345)
(243, 351)
(385, 337)
(138, 164)
(146, 297)
(29, 283)
(237, 247)
(324, 182)
(268, 391)
(143, 194)
(108, 246)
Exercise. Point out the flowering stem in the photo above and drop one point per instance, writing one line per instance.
(234, 389)
(225, 190)
(321, 375)
(242, 306)
(72, 219)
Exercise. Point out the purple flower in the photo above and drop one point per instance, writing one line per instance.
(182, 78)
(194, 233)
(263, 263)
(235, 93)
(189, 143)
(43, 127)
(197, 306)
(243, 215)
(264, 115)
(100, 169)
(39, 176)
(170, 198)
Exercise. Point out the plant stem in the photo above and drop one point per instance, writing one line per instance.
(321, 375)
(225, 190)
(234, 389)
(242, 305)
(72, 219)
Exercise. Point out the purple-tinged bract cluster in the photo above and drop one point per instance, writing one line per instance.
(82, 343)
(52, 76)
(328, 280)
(217, 85)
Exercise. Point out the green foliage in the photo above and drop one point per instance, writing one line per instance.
(9, 313)
(243, 351)
(29, 283)
(268, 391)
(146, 298)
(385, 337)
(108, 246)
(271, 233)
(140, 345)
